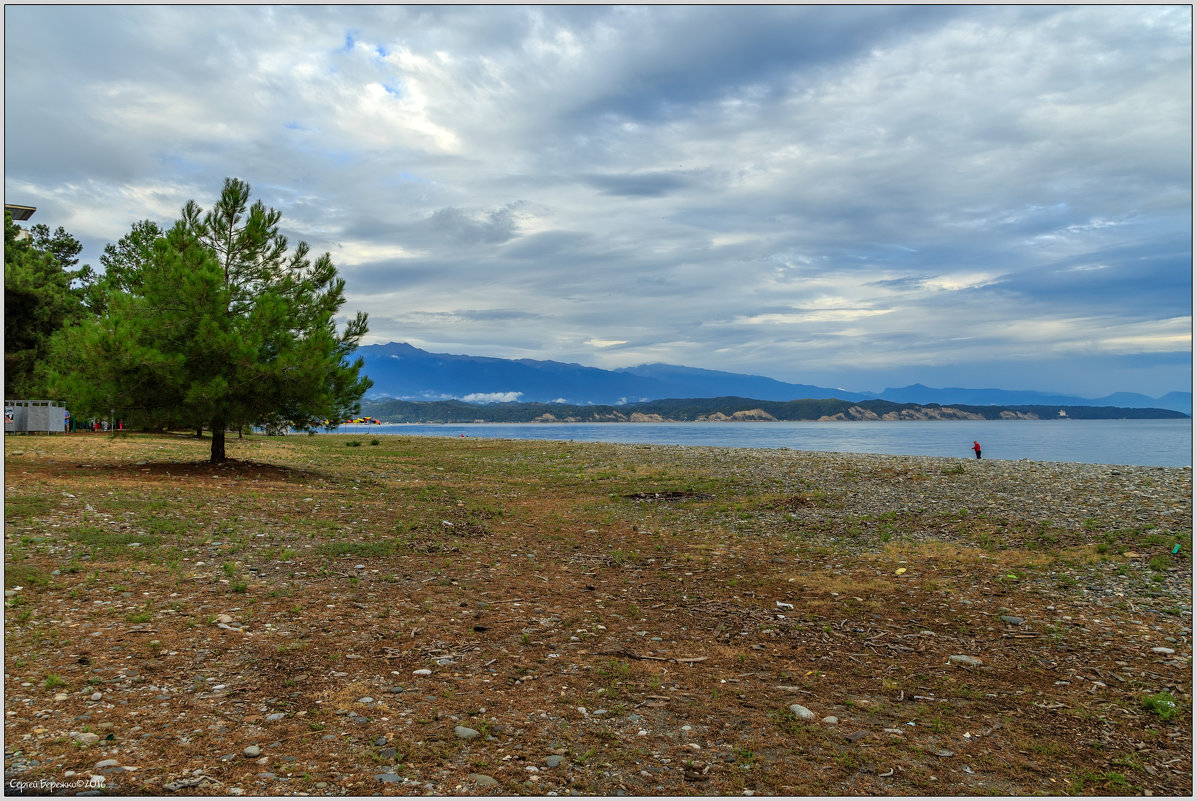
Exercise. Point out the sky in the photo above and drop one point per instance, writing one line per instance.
(848, 196)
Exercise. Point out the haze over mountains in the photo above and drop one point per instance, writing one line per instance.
(405, 372)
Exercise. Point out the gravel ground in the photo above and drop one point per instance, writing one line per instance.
(442, 617)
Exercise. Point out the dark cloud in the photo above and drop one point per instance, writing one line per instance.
(463, 227)
(651, 184)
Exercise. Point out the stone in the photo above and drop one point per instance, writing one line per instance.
(831, 720)
(107, 763)
(801, 712)
(388, 753)
(422, 672)
(276, 716)
(967, 661)
(465, 733)
(482, 780)
(86, 737)
(1012, 620)
(252, 751)
(1162, 650)
(389, 778)
(365, 700)
(554, 760)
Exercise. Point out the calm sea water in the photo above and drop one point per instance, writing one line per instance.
(1138, 442)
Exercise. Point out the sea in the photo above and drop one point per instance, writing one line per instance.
(1156, 443)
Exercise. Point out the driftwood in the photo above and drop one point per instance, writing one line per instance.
(675, 659)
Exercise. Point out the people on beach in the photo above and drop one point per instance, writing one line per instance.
(977, 448)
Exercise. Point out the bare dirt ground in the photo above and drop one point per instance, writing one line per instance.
(463, 616)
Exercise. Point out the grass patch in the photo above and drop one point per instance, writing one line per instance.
(25, 576)
(99, 538)
(388, 547)
(1162, 705)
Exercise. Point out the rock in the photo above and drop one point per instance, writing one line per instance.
(224, 618)
(831, 720)
(944, 753)
(1162, 650)
(252, 751)
(1013, 621)
(388, 778)
(86, 737)
(465, 733)
(967, 661)
(801, 712)
(554, 760)
(107, 763)
(422, 672)
(388, 753)
(276, 716)
(196, 779)
(482, 780)
(856, 735)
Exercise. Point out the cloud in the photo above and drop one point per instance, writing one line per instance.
(492, 397)
(793, 191)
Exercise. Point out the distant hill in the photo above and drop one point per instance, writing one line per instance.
(917, 393)
(404, 372)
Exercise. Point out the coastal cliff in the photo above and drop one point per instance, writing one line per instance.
(732, 409)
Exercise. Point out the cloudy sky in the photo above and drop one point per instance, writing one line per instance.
(860, 196)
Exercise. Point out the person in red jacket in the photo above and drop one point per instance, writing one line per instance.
(977, 448)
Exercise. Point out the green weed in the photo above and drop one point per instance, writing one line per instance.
(1163, 705)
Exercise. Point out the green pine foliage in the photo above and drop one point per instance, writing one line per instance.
(214, 324)
(42, 295)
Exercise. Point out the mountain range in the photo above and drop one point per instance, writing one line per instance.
(404, 372)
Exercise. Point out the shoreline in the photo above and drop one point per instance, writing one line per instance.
(1153, 443)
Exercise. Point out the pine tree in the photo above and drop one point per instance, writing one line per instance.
(220, 326)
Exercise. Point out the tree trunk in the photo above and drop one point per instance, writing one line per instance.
(218, 443)
(199, 432)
